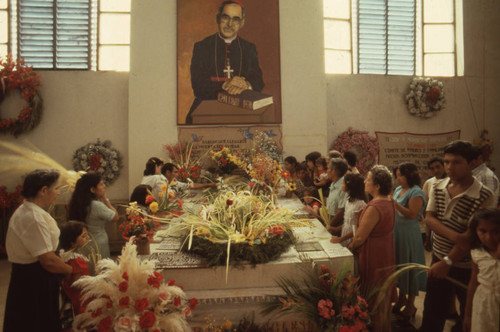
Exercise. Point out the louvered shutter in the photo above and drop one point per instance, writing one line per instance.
(386, 37)
(54, 34)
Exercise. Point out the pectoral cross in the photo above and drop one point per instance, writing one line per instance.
(228, 70)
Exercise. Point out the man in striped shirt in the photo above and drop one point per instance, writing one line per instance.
(452, 202)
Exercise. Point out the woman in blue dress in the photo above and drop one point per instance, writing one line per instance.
(410, 203)
(89, 204)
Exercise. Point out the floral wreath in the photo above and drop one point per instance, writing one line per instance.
(426, 97)
(363, 145)
(15, 75)
(99, 157)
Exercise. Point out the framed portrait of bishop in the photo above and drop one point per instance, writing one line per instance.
(228, 62)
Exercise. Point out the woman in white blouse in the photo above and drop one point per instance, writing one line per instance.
(32, 238)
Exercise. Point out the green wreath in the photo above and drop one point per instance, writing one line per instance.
(15, 75)
(240, 253)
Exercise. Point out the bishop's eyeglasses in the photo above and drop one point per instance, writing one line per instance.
(226, 18)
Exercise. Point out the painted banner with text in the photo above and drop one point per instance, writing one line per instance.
(395, 148)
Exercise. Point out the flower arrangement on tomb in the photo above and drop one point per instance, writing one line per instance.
(226, 162)
(99, 157)
(129, 295)
(139, 227)
(236, 227)
(330, 300)
(358, 141)
(426, 97)
(185, 157)
(16, 75)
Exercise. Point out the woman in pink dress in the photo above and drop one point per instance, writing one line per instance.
(373, 240)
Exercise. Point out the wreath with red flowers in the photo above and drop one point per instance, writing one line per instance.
(363, 145)
(16, 75)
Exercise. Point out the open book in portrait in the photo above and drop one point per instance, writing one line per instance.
(249, 99)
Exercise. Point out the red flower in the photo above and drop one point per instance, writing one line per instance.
(348, 312)
(229, 202)
(223, 161)
(123, 286)
(177, 301)
(124, 302)
(192, 303)
(147, 319)
(125, 276)
(180, 203)
(95, 161)
(105, 324)
(171, 282)
(185, 175)
(276, 230)
(194, 176)
(109, 304)
(325, 309)
(141, 304)
(150, 199)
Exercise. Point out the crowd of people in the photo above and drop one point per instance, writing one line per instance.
(376, 216)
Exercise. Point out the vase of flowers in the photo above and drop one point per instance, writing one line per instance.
(141, 229)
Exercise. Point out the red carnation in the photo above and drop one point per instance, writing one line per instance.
(124, 302)
(125, 275)
(229, 202)
(177, 301)
(95, 161)
(224, 161)
(147, 319)
(123, 286)
(193, 175)
(141, 304)
(192, 303)
(105, 324)
(171, 282)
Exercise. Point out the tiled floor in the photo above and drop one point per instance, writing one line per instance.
(5, 278)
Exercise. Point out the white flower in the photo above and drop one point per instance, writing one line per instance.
(101, 170)
(114, 168)
(103, 162)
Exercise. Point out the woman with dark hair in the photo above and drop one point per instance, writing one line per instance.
(373, 240)
(139, 195)
(409, 202)
(351, 159)
(291, 165)
(311, 163)
(32, 238)
(153, 176)
(90, 204)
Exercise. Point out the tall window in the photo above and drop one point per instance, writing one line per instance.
(393, 37)
(68, 34)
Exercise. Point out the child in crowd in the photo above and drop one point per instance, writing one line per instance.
(322, 181)
(74, 235)
(311, 201)
(140, 194)
(353, 185)
(482, 310)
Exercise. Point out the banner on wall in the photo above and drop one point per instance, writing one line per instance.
(235, 138)
(395, 148)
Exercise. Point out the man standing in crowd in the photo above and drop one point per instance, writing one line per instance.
(452, 202)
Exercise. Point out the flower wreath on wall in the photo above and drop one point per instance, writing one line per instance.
(426, 97)
(363, 145)
(15, 75)
(99, 157)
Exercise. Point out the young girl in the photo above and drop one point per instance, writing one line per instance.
(89, 203)
(353, 185)
(74, 235)
(322, 181)
(311, 201)
(482, 310)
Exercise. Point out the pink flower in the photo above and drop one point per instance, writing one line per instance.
(124, 322)
(163, 296)
(325, 309)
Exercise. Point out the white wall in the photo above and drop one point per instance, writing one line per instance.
(137, 111)
(376, 103)
(78, 108)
